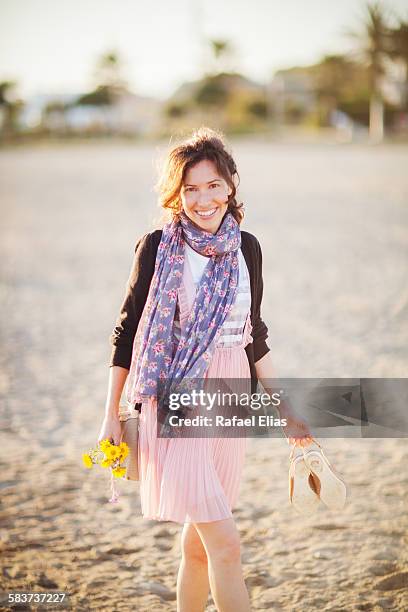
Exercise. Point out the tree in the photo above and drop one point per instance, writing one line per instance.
(374, 40)
(212, 92)
(175, 110)
(10, 106)
(329, 78)
(108, 79)
(101, 96)
(399, 52)
(108, 73)
(222, 54)
(340, 84)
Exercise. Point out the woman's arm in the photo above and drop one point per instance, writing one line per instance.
(266, 375)
(111, 429)
(259, 329)
(137, 289)
(296, 430)
(117, 379)
(264, 370)
(123, 334)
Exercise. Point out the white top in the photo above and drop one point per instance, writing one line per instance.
(233, 328)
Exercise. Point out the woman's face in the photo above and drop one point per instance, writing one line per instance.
(204, 196)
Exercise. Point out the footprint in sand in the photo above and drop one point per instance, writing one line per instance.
(262, 578)
(163, 546)
(393, 582)
(382, 569)
(163, 533)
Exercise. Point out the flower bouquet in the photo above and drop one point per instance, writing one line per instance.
(108, 455)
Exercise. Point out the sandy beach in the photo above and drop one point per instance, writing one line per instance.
(332, 222)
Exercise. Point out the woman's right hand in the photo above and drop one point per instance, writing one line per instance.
(110, 429)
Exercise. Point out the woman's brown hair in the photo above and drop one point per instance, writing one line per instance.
(204, 144)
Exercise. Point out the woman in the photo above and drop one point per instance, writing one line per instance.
(194, 298)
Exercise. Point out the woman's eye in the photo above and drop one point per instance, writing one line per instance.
(214, 185)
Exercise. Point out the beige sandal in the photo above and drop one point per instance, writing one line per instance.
(330, 487)
(303, 485)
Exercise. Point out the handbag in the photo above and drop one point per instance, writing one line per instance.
(312, 479)
(129, 424)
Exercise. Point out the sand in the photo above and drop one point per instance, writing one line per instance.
(332, 221)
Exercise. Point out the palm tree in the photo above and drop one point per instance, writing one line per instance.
(108, 80)
(222, 51)
(399, 52)
(109, 86)
(108, 73)
(374, 39)
(219, 47)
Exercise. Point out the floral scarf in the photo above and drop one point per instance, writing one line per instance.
(152, 356)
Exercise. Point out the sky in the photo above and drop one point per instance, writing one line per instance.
(52, 46)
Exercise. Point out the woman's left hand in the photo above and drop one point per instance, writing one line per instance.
(296, 429)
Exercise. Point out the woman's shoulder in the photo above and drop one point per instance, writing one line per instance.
(149, 241)
(250, 243)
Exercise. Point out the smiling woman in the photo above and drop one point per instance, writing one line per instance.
(193, 310)
(204, 195)
(201, 179)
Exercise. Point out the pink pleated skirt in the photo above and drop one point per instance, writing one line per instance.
(192, 480)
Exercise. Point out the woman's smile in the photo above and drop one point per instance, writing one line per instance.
(204, 196)
(206, 213)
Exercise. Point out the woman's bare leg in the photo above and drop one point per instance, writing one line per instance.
(192, 581)
(222, 544)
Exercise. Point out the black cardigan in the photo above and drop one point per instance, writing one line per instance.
(137, 289)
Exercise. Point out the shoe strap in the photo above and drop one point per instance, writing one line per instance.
(304, 452)
(320, 450)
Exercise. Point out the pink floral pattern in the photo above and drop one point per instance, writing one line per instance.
(153, 347)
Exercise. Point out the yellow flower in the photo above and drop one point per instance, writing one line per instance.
(119, 472)
(124, 450)
(106, 463)
(87, 460)
(112, 453)
(104, 445)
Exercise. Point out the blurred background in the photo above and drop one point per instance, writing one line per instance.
(313, 97)
(98, 68)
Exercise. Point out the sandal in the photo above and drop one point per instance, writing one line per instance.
(332, 488)
(303, 485)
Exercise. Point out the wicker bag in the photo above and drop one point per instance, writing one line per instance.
(129, 423)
